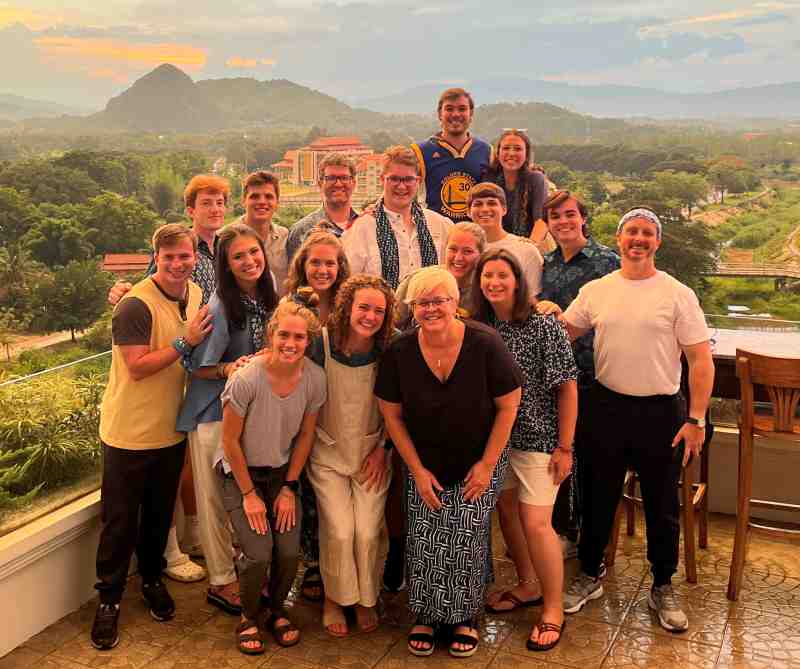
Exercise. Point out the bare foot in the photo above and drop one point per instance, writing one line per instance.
(367, 618)
(333, 619)
(467, 631)
(421, 645)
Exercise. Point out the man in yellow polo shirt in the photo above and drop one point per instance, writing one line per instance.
(155, 323)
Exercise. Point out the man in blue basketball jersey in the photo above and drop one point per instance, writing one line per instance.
(452, 160)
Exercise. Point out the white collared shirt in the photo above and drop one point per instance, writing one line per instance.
(361, 243)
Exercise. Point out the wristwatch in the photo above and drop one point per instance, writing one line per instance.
(294, 486)
(697, 422)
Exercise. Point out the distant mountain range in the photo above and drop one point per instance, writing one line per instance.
(16, 108)
(770, 101)
(166, 100)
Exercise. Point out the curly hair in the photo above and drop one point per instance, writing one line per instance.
(297, 270)
(339, 321)
(288, 307)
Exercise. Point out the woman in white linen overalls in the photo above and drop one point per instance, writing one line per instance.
(349, 467)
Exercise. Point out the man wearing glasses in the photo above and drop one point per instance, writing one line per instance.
(401, 236)
(452, 160)
(337, 181)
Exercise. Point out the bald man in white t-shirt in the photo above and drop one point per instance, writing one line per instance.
(642, 319)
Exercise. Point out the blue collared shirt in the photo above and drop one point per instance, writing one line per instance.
(561, 282)
(225, 343)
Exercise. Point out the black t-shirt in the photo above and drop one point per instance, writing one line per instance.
(449, 423)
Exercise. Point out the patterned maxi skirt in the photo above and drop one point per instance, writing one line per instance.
(447, 551)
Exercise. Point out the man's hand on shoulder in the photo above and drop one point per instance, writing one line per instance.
(118, 291)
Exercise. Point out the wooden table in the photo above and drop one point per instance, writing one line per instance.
(724, 344)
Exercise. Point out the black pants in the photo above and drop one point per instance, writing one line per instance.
(636, 432)
(568, 504)
(137, 498)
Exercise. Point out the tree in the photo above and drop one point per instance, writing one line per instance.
(58, 241)
(45, 182)
(165, 189)
(73, 299)
(10, 326)
(17, 216)
(688, 189)
(117, 224)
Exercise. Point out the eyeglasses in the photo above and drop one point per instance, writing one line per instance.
(435, 302)
(333, 178)
(396, 180)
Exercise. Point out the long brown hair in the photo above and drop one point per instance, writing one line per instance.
(524, 185)
(227, 289)
(339, 320)
(297, 270)
(521, 308)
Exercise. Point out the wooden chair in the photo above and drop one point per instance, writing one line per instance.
(780, 377)
(694, 507)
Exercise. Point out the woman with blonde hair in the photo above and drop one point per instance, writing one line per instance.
(349, 465)
(465, 243)
(448, 391)
(269, 414)
(317, 271)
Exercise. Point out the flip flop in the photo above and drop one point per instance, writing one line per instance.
(510, 597)
(546, 627)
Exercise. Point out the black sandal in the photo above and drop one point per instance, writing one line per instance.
(546, 627)
(424, 637)
(312, 579)
(465, 640)
(242, 638)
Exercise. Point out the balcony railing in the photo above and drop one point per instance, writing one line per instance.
(49, 446)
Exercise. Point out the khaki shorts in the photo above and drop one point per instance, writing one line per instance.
(528, 472)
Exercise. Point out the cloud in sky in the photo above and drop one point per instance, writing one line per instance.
(367, 48)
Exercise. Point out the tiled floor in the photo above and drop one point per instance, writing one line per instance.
(761, 631)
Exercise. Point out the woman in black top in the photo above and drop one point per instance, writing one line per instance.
(525, 188)
(449, 392)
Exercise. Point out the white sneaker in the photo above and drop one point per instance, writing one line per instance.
(663, 601)
(185, 571)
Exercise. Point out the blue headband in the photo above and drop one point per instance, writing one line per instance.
(640, 213)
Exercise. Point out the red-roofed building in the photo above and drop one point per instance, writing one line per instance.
(306, 163)
(125, 264)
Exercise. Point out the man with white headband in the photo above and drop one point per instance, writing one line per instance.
(642, 319)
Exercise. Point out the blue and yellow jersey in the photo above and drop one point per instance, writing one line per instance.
(449, 174)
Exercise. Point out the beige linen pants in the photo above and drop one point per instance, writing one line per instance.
(352, 540)
(215, 535)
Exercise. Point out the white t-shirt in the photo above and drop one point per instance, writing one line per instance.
(639, 326)
(361, 243)
(530, 260)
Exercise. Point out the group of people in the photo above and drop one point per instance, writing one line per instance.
(358, 387)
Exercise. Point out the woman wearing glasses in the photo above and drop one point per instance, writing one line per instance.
(525, 188)
(465, 243)
(449, 392)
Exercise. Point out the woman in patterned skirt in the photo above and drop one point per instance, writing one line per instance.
(541, 441)
(449, 392)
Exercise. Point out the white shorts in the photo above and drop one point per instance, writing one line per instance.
(529, 474)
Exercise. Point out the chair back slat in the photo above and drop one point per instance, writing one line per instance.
(781, 379)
